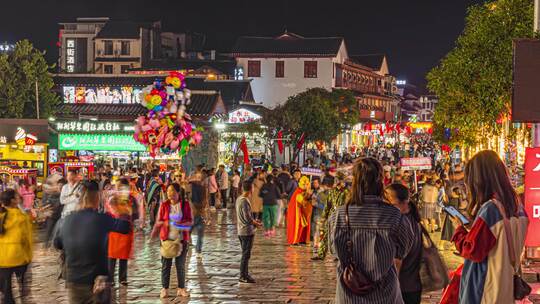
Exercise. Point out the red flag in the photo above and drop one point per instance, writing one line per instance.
(300, 142)
(398, 128)
(280, 141)
(244, 148)
(381, 130)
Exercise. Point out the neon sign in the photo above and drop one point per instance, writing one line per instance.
(22, 138)
(99, 142)
(243, 116)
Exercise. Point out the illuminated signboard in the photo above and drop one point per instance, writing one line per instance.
(3, 140)
(92, 126)
(401, 82)
(22, 138)
(243, 116)
(99, 142)
(104, 94)
(70, 55)
(239, 73)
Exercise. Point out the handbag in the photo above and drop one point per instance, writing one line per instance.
(433, 271)
(521, 288)
(170, 249)
(352, 277)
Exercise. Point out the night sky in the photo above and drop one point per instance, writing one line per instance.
(415, 34)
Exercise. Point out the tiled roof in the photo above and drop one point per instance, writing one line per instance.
(223, 66)
(116, 59)
(202, 105)
(121, 29)
(373, 61)
(287, 44)
(103, 80)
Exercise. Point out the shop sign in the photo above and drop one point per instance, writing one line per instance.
(416, 163)
(70, 55)
(102, 94)
(243, 116)
(99, 142)
(92, 126)
(532, 195)
(3, 140)
(22, 138)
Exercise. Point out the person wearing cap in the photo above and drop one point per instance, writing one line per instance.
(335, 198)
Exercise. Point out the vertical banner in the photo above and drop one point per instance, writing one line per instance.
(532, 195)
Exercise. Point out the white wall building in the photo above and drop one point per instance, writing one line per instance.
(288, 64)
(428, 102)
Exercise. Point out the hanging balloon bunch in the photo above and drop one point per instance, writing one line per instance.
(167, 127)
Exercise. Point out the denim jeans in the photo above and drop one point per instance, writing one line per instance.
(198, 225)
(246, 242)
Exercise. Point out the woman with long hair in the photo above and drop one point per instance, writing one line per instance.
(369, 233)
(487, 275)
(173, 224)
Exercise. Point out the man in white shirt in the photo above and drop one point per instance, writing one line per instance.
(223, 183)
(71, 192)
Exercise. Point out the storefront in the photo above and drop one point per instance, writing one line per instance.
(24, 145)
(99, 142)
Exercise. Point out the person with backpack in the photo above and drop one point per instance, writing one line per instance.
(15, 243)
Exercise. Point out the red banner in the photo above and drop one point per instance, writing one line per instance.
(532, 195)
(244, 148)
(280, 141)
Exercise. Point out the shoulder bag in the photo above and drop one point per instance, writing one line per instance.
(354, 279)
(433, 271)
(521, 288)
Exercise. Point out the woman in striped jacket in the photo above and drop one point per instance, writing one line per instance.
(378, 232)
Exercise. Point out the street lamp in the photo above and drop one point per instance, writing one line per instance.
(220, 126)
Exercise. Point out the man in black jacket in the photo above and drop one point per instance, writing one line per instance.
(83, 239)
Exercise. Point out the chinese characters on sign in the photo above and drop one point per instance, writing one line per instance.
(91, 126)
(3, 140)
(70, 55)
(532, 195)
(243, 116)
(416, 163)
(99, 142)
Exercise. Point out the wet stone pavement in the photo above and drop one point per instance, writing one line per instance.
(284, 274)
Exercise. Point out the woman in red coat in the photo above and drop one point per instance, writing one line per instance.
(120, 245)
(173, 223)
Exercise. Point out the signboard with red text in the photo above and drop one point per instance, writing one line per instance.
(532, 196)
(416, 163)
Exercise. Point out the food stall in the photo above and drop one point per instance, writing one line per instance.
(13, 175)
(86, 169)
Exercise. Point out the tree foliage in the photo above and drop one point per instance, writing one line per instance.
(317, 113)
(474, 80)
(19, 71)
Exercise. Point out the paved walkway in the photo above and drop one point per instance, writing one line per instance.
(284, 274)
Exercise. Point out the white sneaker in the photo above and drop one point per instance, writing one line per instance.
(164, 293)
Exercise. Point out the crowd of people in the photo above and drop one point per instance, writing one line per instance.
(371, 217)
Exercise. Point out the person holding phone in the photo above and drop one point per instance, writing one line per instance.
(488, 273)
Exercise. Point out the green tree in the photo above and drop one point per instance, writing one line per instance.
(317, 113)
(19, 72)
(474, 80)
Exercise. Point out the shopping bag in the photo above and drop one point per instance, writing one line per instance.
(433, 271)
(451, 292)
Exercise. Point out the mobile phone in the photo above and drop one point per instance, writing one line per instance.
(452, 211)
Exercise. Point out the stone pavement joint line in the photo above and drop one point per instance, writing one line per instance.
(284, 274)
